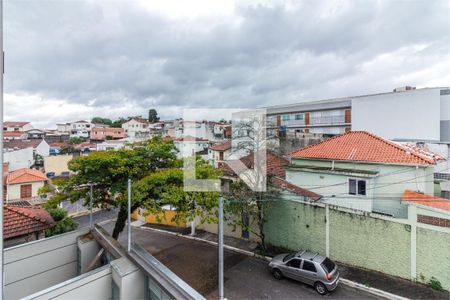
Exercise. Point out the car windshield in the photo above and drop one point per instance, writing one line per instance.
(289, 256)
(328, 265)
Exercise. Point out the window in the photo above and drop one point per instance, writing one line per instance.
(357, 187)
(328, 265)
(286, 117)
(309, 266)
(294, 263)
(299, 116)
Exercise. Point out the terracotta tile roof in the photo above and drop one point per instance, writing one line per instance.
(21, 144)
(221, 147)
(365, 147)
(140, 120)
(427, 200)
(274, 165)
(59, 144)
(283, 184)
(25, 175)
(13, 133)
(14, 124)
(22, 220)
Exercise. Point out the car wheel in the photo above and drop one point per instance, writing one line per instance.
(320, 288)
(277, 274)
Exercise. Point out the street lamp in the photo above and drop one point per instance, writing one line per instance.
(224, 188)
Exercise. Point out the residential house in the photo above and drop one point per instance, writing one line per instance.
(218, 153)
(23, 184)
(362, 171)
(107, 133)
(81, 129)
(58, 164)
(40, 147)
(56, 136)
(35, 134)
(63, 127)
(14, 135)
(22, 224)
(111, 145)
(56, 147)
(188, 145)
(17, 126)
(86, 147)
(137, 128)
(430, 209)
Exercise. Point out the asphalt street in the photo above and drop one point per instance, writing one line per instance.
(245, 277)
(97, 217)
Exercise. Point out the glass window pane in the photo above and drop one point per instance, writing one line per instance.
(361, 187)
(309, 266)
(352, 186)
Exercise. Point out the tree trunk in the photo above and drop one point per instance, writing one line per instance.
(122, 220)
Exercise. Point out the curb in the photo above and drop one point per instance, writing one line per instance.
(355, 285)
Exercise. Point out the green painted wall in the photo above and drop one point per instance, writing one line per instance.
(359, 240)
(370, 243)
(433, 256)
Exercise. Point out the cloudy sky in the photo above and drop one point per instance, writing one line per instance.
(69, 60)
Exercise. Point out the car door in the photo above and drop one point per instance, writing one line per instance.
(308, 272)
(292, 268)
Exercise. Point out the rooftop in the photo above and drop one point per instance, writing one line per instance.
(21, 144)
(221, 147)
(427, 200)
(25, 175)
(363, 146)
(21, 220)
(15, 124)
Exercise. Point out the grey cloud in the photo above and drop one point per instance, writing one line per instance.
(86, 53)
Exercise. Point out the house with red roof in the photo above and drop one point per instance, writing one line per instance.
(218, 153)
(16, 126)
(23, 184)
(362, 171)
(22, 224)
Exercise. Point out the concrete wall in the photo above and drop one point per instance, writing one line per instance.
(128, 278)
(13, 192)
(92, 285)
(399, 115)
(399, 247)
(445, 118)
(43, 149)
(57, 164)
(22, 158)
(37, 265)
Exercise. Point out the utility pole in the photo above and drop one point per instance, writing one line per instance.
(129, 215)
(220, 231)
(91, 199)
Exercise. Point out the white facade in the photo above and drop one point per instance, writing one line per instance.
(18, 159)
(136, 129)
(81, 129)
(13, 190)
(64, 127)
(111, 145)
(411, 115)
(43, 149)
(17, 127)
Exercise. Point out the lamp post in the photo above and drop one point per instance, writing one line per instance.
(224, 188)
(129, 215)
(91, 199)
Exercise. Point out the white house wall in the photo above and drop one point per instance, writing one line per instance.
(445, 118)
(22, 158)
(404, 115)
(13, 192)
(43, 149)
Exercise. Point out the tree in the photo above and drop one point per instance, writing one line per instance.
(109, 171)
(75, 140)
(118, 123)
(153, 115)
(63, 222)
(100, 120)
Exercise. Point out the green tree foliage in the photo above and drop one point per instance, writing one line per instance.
(153, 115)
(63, 222)
(118, 123)
(244, 208)
(100, 120)
(75, 140)
(149, 164)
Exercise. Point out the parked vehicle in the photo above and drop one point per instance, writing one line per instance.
(50, 174)
(307, 267)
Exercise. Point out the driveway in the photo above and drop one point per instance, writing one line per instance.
(245, 277)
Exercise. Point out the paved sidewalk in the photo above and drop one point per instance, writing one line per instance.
(369, 278)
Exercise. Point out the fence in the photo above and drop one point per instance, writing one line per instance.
(399, 247)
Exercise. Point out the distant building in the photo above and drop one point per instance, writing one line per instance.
(137, 128)
(107, 133)
(81, 129)
(218, 153)
(40, 147)
(16, 126)
(19, 158)
(392, 115)
(111, 145)
(191, 145)
(57, 164)
(14, 135)
(23, 184)
(362, 171)
(22, 224)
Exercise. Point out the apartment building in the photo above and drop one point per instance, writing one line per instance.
(107, 133)
(137, 128)
(405, 113)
